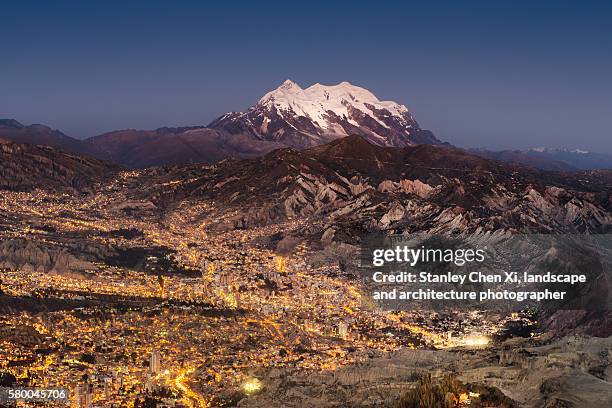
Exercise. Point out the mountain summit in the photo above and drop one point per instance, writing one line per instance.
(315, 115)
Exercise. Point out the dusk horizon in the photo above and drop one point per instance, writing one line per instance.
(491, 76)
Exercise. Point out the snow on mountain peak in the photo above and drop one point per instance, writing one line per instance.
(288, 85)
(304, 117)
(317, 101)
(557, 150)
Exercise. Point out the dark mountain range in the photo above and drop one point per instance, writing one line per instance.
(171, 146)
(550, 159)
(522, 157)
(352, 185)
(579, 159)
(41, 135)
(144, 148)
(26, 167)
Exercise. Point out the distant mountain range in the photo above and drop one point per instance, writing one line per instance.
(287, 116)
(41, 135)
(25, 167)
(550, 159)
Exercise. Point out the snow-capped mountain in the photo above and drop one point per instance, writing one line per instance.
(577, 158)
(557, 150)
(302, 118)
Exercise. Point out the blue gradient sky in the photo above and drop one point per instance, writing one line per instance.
(507, 75)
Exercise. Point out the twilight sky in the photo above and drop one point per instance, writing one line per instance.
(508, 75)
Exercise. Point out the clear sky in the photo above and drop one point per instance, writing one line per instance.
(494, 74)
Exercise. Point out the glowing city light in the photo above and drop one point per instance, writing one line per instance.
(281, 264)
(252, 386)
(476, 341)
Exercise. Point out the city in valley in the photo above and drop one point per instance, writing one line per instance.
(199, 320)
(300, 205)
(220, 265)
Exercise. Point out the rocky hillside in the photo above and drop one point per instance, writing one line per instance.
(26, 167)
(350, 185)
(573, 372)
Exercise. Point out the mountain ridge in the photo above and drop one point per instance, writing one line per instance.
(38, 134)
(24, 167)
(550, 158)
(420, 188)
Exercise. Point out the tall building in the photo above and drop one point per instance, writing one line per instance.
(281, 264)
(155, 362)
(108, 383)
(343, 329)
(149, 386)
(76, 397)
(82, 396)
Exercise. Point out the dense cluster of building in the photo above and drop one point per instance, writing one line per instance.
(115, 335)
